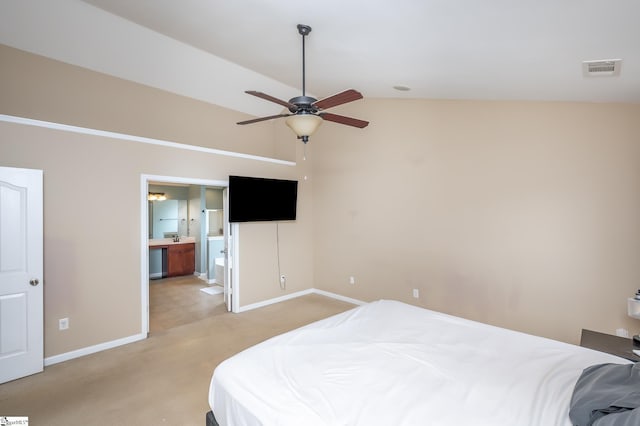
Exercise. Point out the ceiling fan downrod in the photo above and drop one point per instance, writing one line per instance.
(304, 31)
(303, 104)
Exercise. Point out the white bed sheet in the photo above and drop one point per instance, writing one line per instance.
(389, 363)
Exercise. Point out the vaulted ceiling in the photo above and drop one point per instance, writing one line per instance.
(213, 50)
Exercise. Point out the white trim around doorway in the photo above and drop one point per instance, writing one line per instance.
(144, 242)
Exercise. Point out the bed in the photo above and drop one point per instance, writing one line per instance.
(390, 363)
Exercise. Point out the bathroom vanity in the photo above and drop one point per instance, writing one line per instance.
(178, 257)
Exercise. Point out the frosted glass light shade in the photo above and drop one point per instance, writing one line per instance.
(304, 124)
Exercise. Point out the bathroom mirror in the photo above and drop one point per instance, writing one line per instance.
(168, 218)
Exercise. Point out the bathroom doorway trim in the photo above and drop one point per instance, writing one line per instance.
(144, 242)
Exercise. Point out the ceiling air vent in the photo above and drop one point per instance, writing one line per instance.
(604, 68)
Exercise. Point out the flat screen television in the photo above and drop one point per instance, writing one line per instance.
(253, 199)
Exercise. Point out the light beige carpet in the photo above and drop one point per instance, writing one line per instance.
(162, 380)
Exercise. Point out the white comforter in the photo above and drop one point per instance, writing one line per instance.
(389, 363)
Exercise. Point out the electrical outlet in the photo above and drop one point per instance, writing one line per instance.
(283, 280)
(63, 323)
(416, 293)
(352, 280)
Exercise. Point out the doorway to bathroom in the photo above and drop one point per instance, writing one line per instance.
(187, 258)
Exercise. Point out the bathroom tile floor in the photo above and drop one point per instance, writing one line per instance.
(178, 300)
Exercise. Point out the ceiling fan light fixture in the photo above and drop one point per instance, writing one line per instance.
(304, 125)
(305, 112)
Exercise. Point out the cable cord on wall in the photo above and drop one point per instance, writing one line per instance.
(282, 283)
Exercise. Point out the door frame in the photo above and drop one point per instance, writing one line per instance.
(144, 242)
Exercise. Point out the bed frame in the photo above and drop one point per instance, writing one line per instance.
(211, 419)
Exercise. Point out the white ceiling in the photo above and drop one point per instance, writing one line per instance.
(213, 50)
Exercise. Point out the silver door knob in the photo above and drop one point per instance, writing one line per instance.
(34, 282)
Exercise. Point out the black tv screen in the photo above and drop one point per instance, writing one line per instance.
(253, 199)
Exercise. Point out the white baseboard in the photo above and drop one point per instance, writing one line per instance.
(275, 300)
(155, 275)
(339, 297)
(299, 294)
(93, 349)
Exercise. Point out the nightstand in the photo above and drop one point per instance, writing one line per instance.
(615, 345)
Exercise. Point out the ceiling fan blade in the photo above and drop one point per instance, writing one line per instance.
(348, 95)
(349, 121)
(271, 98)
(256, 120)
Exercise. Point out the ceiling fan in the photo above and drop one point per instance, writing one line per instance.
(307, 113)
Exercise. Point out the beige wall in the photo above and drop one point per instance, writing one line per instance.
(523, 215)
(44, 89)
(92, 191)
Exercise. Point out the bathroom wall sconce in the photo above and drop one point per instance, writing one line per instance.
(156, 196)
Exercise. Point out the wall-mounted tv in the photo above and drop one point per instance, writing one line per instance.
(253, 199)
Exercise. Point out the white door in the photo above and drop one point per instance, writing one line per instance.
(228, 288)
(21, 271)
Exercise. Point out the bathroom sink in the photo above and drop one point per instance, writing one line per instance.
(170, 242)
